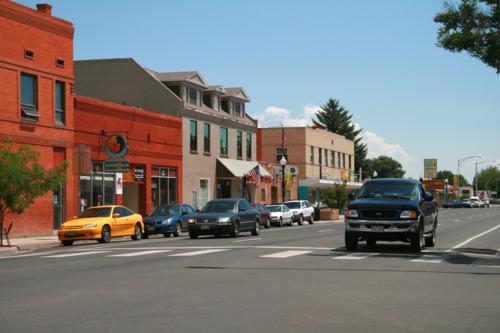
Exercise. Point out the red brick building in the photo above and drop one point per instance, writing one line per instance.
(36, 84)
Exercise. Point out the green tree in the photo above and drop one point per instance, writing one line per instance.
(335, 118)
(23, 179)
(447, 174)
(472, 26)
(385, 166)
(489, 179)
(335, 197)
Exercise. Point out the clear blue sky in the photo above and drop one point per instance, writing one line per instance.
(379, 58)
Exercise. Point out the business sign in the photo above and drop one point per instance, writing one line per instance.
(430, 168)
(138, 173)
(116, 146)
(115, 166)
(119, 183)
(434, 184)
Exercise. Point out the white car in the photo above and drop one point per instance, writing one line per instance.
(301, 210)
(486, 202)
(476, 202)
(280, 215)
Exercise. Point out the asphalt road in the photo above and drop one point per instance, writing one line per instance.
(294, 279)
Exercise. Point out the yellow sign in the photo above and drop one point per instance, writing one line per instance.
(430, 168)
(288, 181)
(455, 182)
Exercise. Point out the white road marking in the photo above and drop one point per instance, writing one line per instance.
(356, 256)
(140, 253)
(196, 253)
(427, 259)
(457, 220)
(29, 255)
(325, 230)
(74, 254)
(285, 254)
(247, 240)
(472, 238)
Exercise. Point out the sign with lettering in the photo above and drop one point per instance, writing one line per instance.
(430, 168)
(115, 166)
(138, 173)
(434, 184)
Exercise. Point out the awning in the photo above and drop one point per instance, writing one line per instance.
(239, 168)
(325, 183)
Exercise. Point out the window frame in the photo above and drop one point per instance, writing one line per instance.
(239, 144)
(29, 111)
(206, 138)
(62, 110)
(193, 139)
(221, 146)
(249, 145)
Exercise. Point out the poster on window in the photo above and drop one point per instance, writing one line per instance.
(119, 183)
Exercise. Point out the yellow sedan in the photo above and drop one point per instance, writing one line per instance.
(101, 224)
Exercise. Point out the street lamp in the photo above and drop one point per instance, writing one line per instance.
(375, 174)
(481, 162)
(446, 190)
(460, 161)
(283, 165)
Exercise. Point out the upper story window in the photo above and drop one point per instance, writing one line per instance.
(280, 152)
(29, 103)
(326, 157)
(215, 102)
(206, 138)
(192, 96)
(343, 160)
(332, 158)
(223, 141)
(60, 103)
(311, 154)
(249, 145)
(350, 161)
(239, 144)
(238, 109)
(193, 136)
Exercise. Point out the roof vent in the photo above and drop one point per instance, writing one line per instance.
(44, 8)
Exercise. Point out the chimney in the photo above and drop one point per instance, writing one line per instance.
(44, 8)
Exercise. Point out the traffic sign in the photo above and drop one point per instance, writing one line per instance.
(116, 166)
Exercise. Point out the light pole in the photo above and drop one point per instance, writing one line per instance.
(460, 161)
(283, 165)
(446, 190)
(482, 162)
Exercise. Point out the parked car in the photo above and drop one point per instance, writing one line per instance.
(301, 210)
(225, 216)
(168, 220)
(280, 215)
(476, 202)
(392, 210)
(466, 203)
(453, 204)
(102, 223)
(486, 202)
(265, 216)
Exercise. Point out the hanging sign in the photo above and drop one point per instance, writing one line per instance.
(116, 146)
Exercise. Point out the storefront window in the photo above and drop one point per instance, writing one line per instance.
(163, 186)
(97, 189)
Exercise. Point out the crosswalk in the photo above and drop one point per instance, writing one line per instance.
(264, 253)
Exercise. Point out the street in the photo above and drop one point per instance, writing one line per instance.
(294, 279)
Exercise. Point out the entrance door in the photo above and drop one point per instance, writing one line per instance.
(223, 188)
(58, 196)
(131, 196)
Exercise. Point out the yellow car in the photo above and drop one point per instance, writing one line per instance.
(101, 224)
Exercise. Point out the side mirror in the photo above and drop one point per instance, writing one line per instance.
(428, 196)
(115, 215)
(352, 196)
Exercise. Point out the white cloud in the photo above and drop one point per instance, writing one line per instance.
(274, 116)
(377, 146)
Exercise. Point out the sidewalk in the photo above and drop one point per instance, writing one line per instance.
(26, 244)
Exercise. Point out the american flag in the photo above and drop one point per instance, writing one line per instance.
(255, 176)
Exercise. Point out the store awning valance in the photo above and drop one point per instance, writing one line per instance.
(239, 168)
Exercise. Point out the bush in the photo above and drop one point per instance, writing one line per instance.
(335, 197)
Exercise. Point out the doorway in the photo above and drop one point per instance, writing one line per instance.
(131, 196)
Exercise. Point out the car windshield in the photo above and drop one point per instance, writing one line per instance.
(293, 204)
(466, 200)
(397, 190)
(274, 208)
(218, 207)
(96, 212)
(166, 210)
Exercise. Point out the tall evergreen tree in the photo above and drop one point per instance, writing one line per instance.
(335, 118)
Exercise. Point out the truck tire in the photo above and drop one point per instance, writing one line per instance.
(351, 241)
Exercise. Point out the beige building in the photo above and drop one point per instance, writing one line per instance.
(322, 158)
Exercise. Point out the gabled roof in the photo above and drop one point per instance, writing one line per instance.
(189, 77)
(237, 92)
(216, 89)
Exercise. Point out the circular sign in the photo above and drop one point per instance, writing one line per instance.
(116, 146)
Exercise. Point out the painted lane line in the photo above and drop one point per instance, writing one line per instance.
(140, 253)
(247, 240)
(29, 255)
(196, 253)
(427, 259)
(285, 254)
(356, 256)
(472, 238)
(74, 254)
(457, 220)
(325, 230)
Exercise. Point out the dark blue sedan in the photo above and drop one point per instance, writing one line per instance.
(168, 220)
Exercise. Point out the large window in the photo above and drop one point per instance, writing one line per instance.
(193, 96)
(238, 109)
(249, 145)
(193, 136)
(311, 154)
(215, 102)
(97, 189)
(206, 138)
(350, 161)
(332, 156)
(29, 106)
(239, 144)
(163, 186)
(223, 141)
(60, 106)
(280, 152)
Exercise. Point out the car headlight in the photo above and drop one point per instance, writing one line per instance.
(90, 226)
(167, 221)
(191, 221)
(408, 214)
(351, 213)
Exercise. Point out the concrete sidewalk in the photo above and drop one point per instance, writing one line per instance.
(26, 244)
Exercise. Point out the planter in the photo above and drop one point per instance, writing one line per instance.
(329, 214)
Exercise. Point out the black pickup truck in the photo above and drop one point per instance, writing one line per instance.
(391, 209)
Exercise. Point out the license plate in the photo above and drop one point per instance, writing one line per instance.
(205, 227)
(71, 234)
(151, 228)
(377, 228)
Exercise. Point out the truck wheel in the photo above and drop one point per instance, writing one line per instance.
(417, 242)
(351, 241)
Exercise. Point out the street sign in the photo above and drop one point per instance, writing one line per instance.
(430, 168)
(116, 166)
